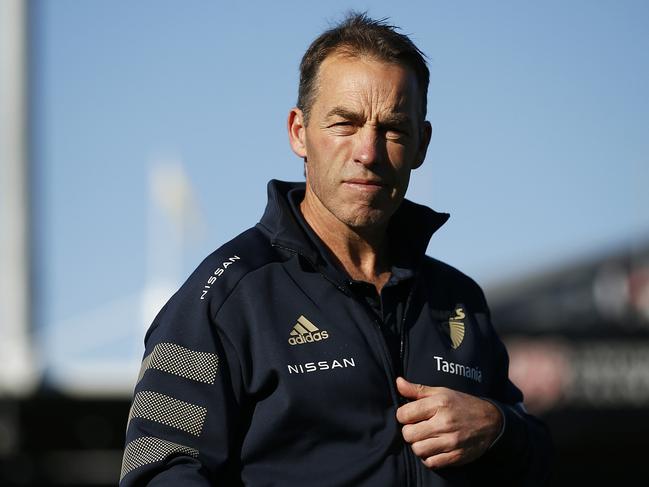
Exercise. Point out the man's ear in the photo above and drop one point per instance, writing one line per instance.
(426, 132)
(296, 132)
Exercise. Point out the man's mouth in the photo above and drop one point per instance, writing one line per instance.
(367, 184)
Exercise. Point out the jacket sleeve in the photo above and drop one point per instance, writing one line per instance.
(183, 422)
(523, 451)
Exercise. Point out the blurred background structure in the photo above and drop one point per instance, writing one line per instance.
(136, 137)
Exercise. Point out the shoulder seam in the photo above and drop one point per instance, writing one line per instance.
(235, 286)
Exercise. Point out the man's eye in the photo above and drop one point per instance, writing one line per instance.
(394, 133)
(344, 128)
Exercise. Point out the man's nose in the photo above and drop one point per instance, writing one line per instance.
(367, 147)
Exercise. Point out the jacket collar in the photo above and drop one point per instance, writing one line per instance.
(410, 229)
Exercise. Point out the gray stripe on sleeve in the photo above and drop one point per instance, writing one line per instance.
(168, 410)
(149, 449)
(183, 362)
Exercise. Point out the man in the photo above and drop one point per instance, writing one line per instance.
(322, 347)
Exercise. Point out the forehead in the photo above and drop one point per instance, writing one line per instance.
(362, 80)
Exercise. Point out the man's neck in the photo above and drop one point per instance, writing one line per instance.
(363, 254)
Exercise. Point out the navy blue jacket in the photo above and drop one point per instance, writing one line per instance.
(265, 369)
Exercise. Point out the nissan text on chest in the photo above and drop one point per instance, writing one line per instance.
(322, 346)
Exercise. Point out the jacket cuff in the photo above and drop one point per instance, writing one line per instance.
(513, 434)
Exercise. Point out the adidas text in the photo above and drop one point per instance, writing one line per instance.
(306, 332)
(310, 338)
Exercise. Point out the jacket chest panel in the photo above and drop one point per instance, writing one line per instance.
(333, 345)
(446, 348)
(310, 339)
(313, 362)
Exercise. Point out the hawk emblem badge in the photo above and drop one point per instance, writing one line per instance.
(456, 327)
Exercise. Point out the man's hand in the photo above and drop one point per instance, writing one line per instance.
(446, 427)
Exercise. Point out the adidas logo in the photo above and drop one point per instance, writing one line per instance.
(306, 332)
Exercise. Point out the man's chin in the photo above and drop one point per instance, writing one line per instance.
(363, 221)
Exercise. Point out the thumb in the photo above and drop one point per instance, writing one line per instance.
(410, 390)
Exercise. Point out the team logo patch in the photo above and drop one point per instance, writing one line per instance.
(306, 332)
(456, 327)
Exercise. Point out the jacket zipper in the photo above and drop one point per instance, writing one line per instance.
(410, 479)
(410, 456)
(407, 452)
(402, 331)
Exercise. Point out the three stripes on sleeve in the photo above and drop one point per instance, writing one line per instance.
(154, 406)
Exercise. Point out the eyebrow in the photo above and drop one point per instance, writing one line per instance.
(343, 113)
(391, 119)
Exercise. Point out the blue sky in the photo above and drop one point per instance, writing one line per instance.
(540, 149)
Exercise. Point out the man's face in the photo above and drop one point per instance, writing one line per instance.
(363, 138)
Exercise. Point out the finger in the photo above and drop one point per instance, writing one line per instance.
(416, 411)
(446, 459)
(419, 431)
(410, 390)
(431, 447)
